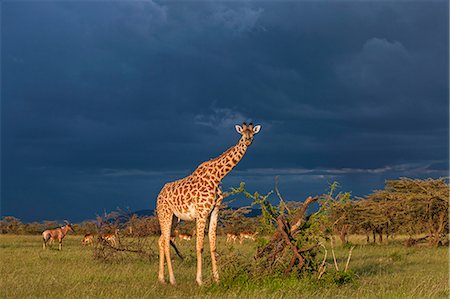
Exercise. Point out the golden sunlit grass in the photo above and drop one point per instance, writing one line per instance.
(387, 271)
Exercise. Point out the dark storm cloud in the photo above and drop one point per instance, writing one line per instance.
(103, 103)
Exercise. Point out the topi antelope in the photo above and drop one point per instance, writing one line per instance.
(247, 235)
(57, 234)
(88, 239)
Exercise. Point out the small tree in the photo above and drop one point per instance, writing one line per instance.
(341, 212)
(296, 237)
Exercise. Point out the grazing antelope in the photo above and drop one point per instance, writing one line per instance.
(198, 197)
(56, 234)
(246, 235)
(231, 237)
(88, 239)
(111, 238)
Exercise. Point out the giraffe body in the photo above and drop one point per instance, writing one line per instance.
(196, 197)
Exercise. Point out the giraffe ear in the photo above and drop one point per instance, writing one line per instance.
(238, 129)
(256, 129)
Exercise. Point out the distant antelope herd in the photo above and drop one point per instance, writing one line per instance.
(233, 237)
(112, 238)
(50, 235)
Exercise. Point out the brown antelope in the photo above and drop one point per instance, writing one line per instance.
(88, 239)
(56, 234)
(231, 237)
(247, 235)
(111, 238)
(186, 237)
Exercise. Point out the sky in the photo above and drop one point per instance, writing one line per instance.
(102, 103)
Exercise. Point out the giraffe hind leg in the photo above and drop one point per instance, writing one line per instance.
(212, 242)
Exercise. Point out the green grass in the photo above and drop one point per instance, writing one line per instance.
(382, 271)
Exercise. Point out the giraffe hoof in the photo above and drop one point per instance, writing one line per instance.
(199, 282)
(161, 280)
(173, 282)
(216, 279)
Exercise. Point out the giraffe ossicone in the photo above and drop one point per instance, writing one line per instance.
(197, 197)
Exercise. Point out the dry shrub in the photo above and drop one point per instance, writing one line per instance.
(130, 237)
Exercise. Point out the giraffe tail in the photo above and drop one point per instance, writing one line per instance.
(176, 250)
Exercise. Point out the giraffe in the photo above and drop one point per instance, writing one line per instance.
(195, 197)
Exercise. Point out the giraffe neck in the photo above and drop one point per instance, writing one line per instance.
(223, 164)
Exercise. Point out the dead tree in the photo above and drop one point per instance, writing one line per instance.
(283, 241)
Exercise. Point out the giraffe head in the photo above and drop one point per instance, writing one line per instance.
(247, 132)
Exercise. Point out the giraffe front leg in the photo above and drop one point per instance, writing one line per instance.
(161, 259)
(201, 222)
(165, 222)
(212, 241)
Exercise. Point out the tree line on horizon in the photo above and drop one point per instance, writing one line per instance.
(405, 206)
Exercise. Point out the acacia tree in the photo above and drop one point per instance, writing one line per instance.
(376, 217)
(414, 206)
(403, 206)
(295, 237)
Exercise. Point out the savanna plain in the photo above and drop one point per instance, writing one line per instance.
(380, 271)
